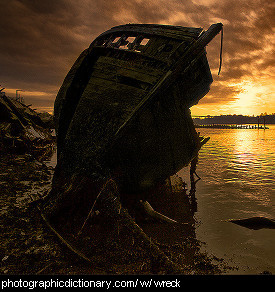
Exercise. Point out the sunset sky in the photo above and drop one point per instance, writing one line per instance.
(40, 41)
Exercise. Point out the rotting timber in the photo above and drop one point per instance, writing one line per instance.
(22, 131)
(123, 125)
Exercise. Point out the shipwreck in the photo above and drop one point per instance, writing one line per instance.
(123, 120)
(22, 131)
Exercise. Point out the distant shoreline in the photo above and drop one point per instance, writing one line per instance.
(261, 120)
(234, 126)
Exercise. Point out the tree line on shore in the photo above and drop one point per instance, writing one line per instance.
(235, 119)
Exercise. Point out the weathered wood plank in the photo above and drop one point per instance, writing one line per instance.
(60, 100)
(167, 31)
(106, 94)
(130, 65)
(101, 86)
(113, 73)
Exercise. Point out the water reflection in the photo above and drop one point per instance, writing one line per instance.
(237, 170)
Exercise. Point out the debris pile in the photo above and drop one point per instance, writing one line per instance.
(22, 130)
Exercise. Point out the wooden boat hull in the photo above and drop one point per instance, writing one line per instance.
(125, 112)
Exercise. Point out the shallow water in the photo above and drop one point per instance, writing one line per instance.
(237, 171)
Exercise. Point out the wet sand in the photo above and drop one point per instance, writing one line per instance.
(27, 246)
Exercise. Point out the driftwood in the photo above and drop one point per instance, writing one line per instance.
(60, 237)
(154, 214)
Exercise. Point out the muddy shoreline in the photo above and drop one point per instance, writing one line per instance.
(28, 247)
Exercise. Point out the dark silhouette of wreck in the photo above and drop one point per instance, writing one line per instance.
(123, 122)
(124, 105)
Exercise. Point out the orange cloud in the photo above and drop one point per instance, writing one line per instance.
(43, 38)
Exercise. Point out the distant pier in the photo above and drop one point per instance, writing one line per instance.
(219, 126)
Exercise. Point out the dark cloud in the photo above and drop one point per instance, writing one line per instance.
(41, 39)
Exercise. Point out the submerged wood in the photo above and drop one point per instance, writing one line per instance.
(255, 222)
